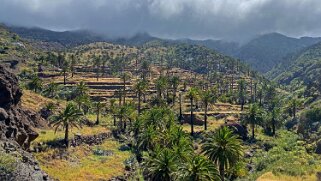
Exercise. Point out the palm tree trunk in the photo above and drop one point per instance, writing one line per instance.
(67, 135)
(192, 118)
(139, 95)
(180, 107)
(97, 119)
(273, 126)
(64, 77)
(205, 117)
(222, 171)
(124, 92)
(253, 126)
(114, 120)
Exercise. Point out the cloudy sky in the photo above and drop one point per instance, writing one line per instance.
(199, 19)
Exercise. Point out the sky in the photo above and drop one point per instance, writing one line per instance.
(232, 20)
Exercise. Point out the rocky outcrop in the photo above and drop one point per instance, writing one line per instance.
(23, 166)
(15, 122)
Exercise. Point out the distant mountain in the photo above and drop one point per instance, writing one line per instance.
(303, 67)
(266, 51)
(138, 39)
(65, 38)
(262, 53)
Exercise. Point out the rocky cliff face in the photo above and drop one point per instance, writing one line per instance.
(16, 132)
(14, 122)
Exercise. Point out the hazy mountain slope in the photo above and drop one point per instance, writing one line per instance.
(13, 49)
(304, 66)
(266, 51)
(66, 38)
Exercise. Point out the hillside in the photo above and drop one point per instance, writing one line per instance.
(64, 38)
(15, 51)
(303, 68)
(266, 51)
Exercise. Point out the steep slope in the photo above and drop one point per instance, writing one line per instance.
(13, 49)
(304, 66)
(266, 51)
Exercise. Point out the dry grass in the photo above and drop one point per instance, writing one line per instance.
(46, 135)
(83, 164)
(269, 176)
(34, 101)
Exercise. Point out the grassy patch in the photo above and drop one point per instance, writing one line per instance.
(7, 163)
(83, 164)
(46, 135)
(287, 158)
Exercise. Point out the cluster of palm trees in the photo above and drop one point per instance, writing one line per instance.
(167, 152)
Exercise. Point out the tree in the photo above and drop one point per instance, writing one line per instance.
(161, 85)
(223, 148)
(67, 119)
(81, 89)
(207, 97)
(293, 106)
(51, 90)
(192, 95)
(242, 93)
(98, 108)
(126, 112)
(175, 83)
(65, 69)
(160, 165)
(82, 100)
(97, 63)
(125, 77)
(35, 83)
(254, 117)
(113, 109)
(198, 168)
(73, 64)
(140, 88)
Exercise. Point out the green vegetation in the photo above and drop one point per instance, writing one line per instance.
(7, 163)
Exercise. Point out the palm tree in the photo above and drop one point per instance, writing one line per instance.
(198, 168)
(113, 109)
(242, 93)
(161, 84)
(192, 95)
(160, 165)
(126, 112)
(175, 83)
(82, 100)
(97, 63)
(65, 68)
(125, 77)
(51, 89)
(207, 97)
(140, 88)
(35, 83)
(73, 64)
(254, 117)
(98, 107)
(293, 106)
(67, 119)
(224, 149)
(81, 89)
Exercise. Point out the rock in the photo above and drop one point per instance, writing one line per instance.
(16, 123)
(248, 154)
(3, 114)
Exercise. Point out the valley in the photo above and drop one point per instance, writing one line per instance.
(158, 109)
